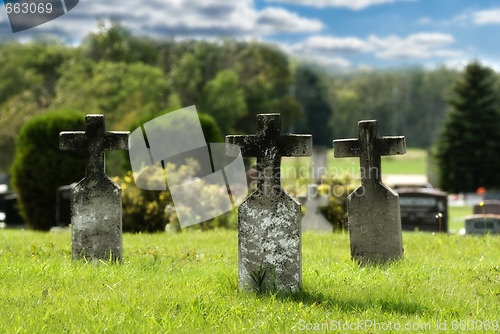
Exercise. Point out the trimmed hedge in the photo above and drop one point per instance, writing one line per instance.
(39, 167)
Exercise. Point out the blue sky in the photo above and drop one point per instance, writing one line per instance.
(344, 34)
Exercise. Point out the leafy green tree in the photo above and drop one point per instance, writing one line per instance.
(467, 152)
(348, 107)
(28, 75)
(224, 100)
(310, 91)
(380, 94)
(436, 84)
(291, 112)
(17, 100)
(123, 92)
(116, 43)
(186, 79)
(212, 58)
(13, 114)
(408, 101)
(128, 76)
(264, 75)
(14, 72)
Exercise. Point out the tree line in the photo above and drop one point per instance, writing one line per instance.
(128, 77)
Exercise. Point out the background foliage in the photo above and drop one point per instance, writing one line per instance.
(39, 166)
(337, 189)
(467, 151)
(131, 76)
(128, 77)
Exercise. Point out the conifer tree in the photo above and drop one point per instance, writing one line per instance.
(468, 149)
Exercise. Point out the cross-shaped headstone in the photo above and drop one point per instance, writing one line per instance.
(96, 201)
(373, 211)
(319, 166)
(269, 220)
(268, 146)
(94, 141)
(314, 220)
(369, 147)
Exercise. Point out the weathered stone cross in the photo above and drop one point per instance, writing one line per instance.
(268, 146)
(269, 220)
(373, 209)
(369, 147)
(96, 201)
(314, 220)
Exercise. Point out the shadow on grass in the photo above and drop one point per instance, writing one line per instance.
(347, 304)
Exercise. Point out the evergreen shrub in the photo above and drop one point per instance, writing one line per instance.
(39, 167)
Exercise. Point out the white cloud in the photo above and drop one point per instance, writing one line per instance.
(448, 53)
(430, 39)
(274, 20)
(424, 21)
(325, 50)
(332, 62)
(331, 45)
(335, 62)
(181, 18)
(462, 20)
(491, 16)
(352, 4)
(461, 63)
(482, 17)
(416, 46)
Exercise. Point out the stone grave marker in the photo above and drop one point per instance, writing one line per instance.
(319, 164)
(492, 196)
(12, 217)
(373, 211)
(314, 220)
(482, 224)
(4, 191)
(488, 207)
(269, 220)
(2, 204)
(63, 205)
(473, 198)
(420, 208)
(96, 201)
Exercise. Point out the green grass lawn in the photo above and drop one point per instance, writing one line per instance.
(188, 283)
(457, 215)
(413, 162)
